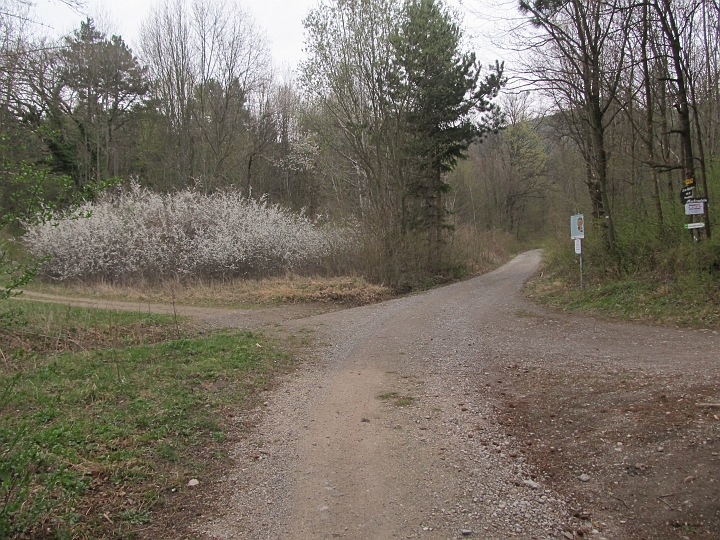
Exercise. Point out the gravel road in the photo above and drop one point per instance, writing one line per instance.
(393, 432)
(468, 411)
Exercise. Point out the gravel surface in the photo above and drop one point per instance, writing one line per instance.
(390, 434)
(468, 411)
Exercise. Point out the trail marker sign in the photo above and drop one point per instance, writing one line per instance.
(577, 233)
(577, 226)
(694, 207)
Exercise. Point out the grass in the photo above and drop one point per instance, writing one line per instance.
(397, 399)
(39, 328)
(637, 298)
(234, 293)
(95, 441)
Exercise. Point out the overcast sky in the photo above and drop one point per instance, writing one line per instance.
(281, 20)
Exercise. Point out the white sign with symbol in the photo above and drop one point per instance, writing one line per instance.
(578, 246)
(577, 226)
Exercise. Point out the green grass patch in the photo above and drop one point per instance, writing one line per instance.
(91, 442)
(28, 327)
(640, 298)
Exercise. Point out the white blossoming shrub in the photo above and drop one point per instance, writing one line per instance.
(141, 234)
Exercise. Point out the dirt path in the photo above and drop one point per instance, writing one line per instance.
(468, 411)
(212, 317)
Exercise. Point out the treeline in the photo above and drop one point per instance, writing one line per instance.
(632, 97)
(197, 104)
(384, 107)
(623, 112)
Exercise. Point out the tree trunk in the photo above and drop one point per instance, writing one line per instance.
(649, 122)
(597, 137)
(672, 34)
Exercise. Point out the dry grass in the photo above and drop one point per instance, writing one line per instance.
(471, 253)
(234, 293)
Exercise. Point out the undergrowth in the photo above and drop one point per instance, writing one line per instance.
(676, 283)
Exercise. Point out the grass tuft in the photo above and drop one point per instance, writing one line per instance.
(397, 399)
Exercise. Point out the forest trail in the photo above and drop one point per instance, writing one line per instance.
(467, 410)
(208, 316)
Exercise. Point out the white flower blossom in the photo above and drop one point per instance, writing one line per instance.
(141, 234)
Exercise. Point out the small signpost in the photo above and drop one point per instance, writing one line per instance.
(693, 207)
(577, 233)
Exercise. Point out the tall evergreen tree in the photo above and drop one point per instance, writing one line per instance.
(100, 82)
(447, 105)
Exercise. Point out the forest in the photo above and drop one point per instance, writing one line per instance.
(188, 175)
(390, 135)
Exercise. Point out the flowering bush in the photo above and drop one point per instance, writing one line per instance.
(141, 234)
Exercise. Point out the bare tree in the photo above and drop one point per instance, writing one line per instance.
(165, 42)
(579, 62)
(209, 63)
(349, 61)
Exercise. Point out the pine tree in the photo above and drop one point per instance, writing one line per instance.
(446, 106)
(100, 83)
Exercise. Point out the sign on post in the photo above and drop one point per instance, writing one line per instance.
(577, 226)
(694, 226)
(695, 207)
(686, 193)
(577, 233)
